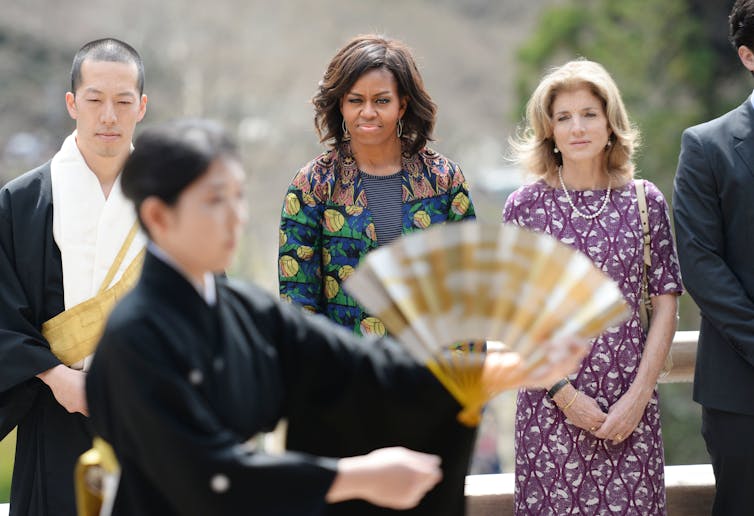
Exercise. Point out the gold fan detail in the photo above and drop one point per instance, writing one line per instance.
(470, 282)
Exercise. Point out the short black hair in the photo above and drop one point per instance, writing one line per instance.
(167, 158)
(107, 49)
(741, 22)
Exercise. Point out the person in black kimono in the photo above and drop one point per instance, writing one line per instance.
(43, 271)
(193, 365)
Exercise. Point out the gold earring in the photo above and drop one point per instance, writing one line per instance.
(346, 134)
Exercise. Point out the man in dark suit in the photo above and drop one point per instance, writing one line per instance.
(713, 204)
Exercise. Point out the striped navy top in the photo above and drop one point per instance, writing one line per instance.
(385, 201)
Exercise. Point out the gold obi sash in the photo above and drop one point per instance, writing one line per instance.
(74, 333)
(92, 468)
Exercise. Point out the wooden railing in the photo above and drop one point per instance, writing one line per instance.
(690, 489)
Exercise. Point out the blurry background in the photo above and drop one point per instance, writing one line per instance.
(254, 64)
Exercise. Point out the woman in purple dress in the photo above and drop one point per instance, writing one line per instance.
(592, 443)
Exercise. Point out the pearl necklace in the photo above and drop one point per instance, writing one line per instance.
(588, 216)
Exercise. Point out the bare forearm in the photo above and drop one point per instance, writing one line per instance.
(659, 339)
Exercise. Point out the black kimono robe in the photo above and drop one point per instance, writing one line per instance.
(49, 439)
(178, 386)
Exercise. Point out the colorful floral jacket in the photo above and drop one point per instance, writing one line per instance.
(326, 226)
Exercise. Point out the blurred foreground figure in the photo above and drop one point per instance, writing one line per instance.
(192, 365)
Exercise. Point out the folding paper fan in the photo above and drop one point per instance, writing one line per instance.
(468, 282)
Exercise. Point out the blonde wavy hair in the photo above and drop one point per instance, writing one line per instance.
(533, 146)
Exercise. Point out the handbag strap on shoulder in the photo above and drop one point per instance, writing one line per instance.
(641, 199)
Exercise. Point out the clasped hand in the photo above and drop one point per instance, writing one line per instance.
(68, 387)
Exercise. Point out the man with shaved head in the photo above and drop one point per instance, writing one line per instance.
(64, 239)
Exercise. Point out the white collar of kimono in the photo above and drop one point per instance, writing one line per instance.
(751, 99)
(88, 228)
(207, 291)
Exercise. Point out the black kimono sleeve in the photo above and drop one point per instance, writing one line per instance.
(348, 395)
(31, 292)
(176, 456)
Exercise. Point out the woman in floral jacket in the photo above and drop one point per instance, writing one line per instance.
(327, 221)
(377, 181)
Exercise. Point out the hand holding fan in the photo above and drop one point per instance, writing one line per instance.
(469, 281)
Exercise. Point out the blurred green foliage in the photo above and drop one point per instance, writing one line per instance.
(675, 68)
(7, 449)
(681, 425)
(671, 60)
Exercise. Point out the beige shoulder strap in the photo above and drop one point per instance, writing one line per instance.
(74, 333)
(645, 305)
(641, 199)
(119, 257)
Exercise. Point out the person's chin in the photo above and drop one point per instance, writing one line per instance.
(375, 138)
(109, 151)
(582, 154)
(225, 261)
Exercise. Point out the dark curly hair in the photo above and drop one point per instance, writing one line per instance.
(360, 55)
(741, 22)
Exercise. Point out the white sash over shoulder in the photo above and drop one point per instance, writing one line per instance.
(88, 227)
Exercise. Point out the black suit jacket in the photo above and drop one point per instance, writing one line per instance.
(713, 205)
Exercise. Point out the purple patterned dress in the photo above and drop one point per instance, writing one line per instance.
(560, 468)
